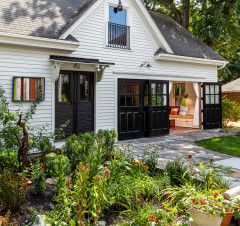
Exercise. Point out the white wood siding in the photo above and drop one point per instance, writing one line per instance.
(92, 36)
(22, 62)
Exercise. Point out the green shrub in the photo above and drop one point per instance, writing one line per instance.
(230, 111)
(13, 188)
(38, 178)
(178, 172)
(8, 159)
(150, 157)
(57, 166)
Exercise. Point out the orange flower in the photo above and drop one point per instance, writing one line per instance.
(152, 218)
(107, 173)
(215, 194)
(193, 199)
(202, 201)
(168, 196)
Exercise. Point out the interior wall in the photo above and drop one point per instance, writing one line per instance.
(190, 100)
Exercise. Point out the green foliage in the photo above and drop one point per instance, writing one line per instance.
(228, 145)
(84, 147)
(38, 179)
(8, 160)
(230, 111)
(150, 157)
(13, 188)
(58, 166)
(178, 172)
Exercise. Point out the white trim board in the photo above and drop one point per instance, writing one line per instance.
(37, 42)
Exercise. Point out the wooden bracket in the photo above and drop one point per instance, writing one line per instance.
(100, 71)
(56, 70)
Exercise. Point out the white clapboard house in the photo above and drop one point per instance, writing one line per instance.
(107, 64)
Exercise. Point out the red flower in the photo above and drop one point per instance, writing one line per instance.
(215, 194)
(168, 196)
(202, 201)
(107, 173)
(193, 199)
(152, 218)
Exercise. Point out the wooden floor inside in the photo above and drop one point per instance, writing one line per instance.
(180, 130)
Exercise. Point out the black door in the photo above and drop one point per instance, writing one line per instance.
(129, 108)
(212, 106)
(74, 102)
(142, 109)
(159, 108)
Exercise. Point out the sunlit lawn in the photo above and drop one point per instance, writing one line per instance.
(228, 145)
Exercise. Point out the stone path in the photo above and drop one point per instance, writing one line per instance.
(179, 146)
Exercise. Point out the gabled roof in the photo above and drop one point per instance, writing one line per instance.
(51, 18)
(181, 41)
(40, 18)
(233, 86)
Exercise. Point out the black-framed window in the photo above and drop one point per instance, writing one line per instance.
(212, 94)
(85, 88)
(129, 94)
(158, 94)
(28, 89)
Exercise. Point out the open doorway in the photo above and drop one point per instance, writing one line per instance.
(185, 109)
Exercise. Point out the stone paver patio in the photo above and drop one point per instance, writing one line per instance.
(179, 146)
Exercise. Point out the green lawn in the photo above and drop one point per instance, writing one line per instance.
(228, 145)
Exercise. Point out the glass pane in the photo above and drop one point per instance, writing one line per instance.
(117, 17)
(164, 88)
(135, 88)
(129, 88)
(216, 99)
(145, 100)
(207, 99)
(63, 88)
(136, 101)
(154, 101)
(216, 89)
(153, 88)
(207, 89)
(84, 87)
(129, 101)
(122, 101)
(159, 89)
(122, 88)
(212, 88)
(145, 88)
(212, 100)
(164, 100)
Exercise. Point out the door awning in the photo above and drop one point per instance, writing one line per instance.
(76, 60)
(100, 66)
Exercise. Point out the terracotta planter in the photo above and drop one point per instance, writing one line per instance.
(201, 218)
(227, 219)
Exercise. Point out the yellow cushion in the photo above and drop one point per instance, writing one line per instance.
(181, 116)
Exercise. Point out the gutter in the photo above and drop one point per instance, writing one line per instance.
(177, 58)
(38, 42)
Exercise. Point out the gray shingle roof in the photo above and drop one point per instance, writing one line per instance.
(233, 86)
(50, 18)
(181, 41)
(41, 18)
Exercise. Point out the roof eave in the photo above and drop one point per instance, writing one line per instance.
(37, 42)
(185, 59)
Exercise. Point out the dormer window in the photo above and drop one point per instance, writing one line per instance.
(118, 31)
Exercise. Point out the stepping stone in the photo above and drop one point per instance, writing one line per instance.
(231, 162)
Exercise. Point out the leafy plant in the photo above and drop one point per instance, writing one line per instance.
(13, 188)
(230, 111)
(178, 172)
(58, 166)
(8, 160)
(38, 178)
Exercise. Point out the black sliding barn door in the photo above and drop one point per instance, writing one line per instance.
(212, 106)
(74, 101)
(143, 108)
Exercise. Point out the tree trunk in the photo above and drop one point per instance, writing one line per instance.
(24, 146)
(185, 13)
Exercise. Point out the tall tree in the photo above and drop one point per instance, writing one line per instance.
(214, 22)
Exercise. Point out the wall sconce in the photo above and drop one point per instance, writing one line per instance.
(145, 64)
(119, 8)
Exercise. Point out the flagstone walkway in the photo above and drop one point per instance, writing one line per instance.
(179, 146)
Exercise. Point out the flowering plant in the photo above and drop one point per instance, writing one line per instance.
(211, 202)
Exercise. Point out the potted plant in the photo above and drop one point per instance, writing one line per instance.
(208, 208)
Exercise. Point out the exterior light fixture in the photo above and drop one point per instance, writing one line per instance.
(120, 6)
